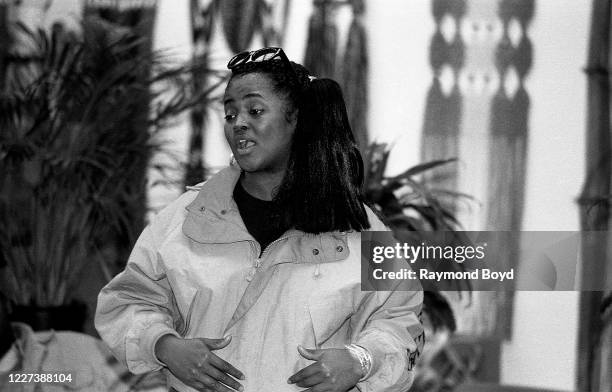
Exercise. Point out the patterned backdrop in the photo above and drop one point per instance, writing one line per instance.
(477, 110)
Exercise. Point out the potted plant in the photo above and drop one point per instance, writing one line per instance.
(81, 116)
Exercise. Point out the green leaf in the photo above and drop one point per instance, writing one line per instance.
(418, 169)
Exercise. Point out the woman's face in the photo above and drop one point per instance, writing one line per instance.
(257, 126)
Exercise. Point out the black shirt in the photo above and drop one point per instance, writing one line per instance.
(260, 217)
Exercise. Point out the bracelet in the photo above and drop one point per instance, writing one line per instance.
(363, 356)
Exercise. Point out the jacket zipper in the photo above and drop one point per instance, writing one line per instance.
(257, 261)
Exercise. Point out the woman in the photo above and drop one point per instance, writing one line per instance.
(251, 281)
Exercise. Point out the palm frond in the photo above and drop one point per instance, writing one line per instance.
(77, 136)
(420, 168)
(409, 205)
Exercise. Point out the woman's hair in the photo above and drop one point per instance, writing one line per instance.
(322, 189)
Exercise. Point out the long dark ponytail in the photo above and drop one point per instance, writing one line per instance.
(323, 187)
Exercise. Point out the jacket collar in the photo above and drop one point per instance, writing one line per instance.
(213, 218)
(216, 194)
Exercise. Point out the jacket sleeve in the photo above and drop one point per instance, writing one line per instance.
(389, 325)
(393, 334)
(136, 308)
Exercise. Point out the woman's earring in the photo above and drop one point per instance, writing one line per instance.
(233, 161)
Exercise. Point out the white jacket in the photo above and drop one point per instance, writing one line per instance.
(195, 272)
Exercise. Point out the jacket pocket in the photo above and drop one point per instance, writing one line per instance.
(329, 316)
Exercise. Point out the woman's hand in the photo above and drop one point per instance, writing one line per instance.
(335, 370)
(193, 362)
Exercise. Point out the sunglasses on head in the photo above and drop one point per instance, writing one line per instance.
(260, 56)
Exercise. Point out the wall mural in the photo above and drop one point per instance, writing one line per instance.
(509, 136)
(441, 125)
(354, 78)
(477, 110)
(346, 62)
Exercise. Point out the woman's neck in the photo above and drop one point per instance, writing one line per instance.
(262, 185)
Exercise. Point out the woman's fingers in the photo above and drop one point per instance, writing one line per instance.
(310, 353)
(308, 371)
(193, 362)
(318, 388)
(226, 367)
(311, 381)
(210, 384)
(217, 344)
(196, 380)
(224, 378)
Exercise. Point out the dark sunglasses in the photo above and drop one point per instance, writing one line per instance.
(260, 56)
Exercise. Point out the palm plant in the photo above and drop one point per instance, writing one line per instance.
(408, 203)
(413, 209)
(80, 119)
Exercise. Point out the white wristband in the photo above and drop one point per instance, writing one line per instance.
(363, 356)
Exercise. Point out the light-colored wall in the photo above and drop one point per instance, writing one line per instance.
(172, 34)
(399, 35)
(542, 351)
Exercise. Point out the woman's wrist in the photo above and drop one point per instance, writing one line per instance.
(363, 358)
(163, 347)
